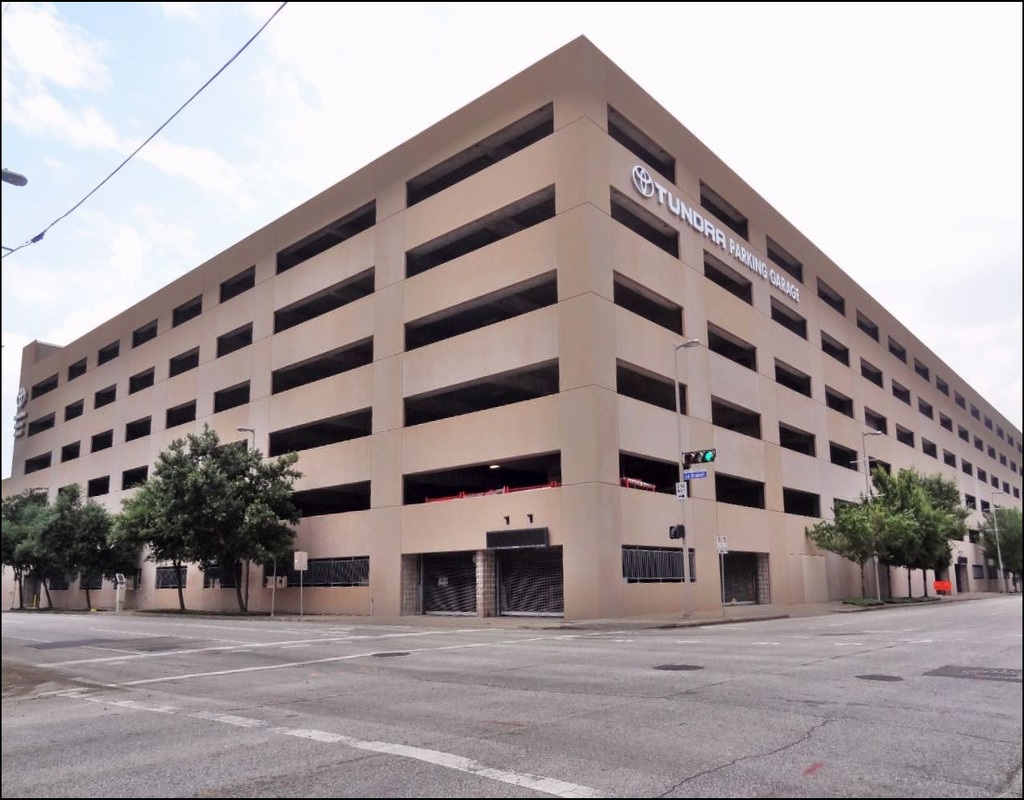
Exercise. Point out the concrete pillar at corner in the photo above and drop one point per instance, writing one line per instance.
(486, 586)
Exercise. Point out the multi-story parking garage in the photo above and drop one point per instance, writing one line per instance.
(476, 344)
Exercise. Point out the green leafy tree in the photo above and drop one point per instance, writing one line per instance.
(214, 504)
(23, 517)
(1008, 521)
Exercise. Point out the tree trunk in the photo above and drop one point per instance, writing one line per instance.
(88, 600)
(181, 591)
(46, 588)
(910, 590)
(924, 572)
(21, 591)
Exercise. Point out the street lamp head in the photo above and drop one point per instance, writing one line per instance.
(872, 433)
(246, 430)
(688, 343)
(14, 178)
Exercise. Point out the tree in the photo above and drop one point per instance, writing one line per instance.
(1008, 520)
(23, 515)
(214, 504)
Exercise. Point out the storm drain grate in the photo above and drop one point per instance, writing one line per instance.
(678, 667)
(879, 677)
(978, 673)
(389, 655)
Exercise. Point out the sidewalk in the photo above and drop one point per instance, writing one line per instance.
(725, 615)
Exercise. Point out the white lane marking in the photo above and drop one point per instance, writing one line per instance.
(221, 648)
(917, 641)
(687, 641)
(767, 644)
(293, 646)
(439, 758)
(849, 644)
(330, 660)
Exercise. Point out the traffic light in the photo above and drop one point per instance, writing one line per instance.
(698, 457)
(676, 531)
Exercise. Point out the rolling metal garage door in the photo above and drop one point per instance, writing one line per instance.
(530, 582)
(449, 583)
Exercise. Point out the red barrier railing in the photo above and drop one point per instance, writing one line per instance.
(489, 492)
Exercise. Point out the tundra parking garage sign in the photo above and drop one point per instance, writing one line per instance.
(647, 187)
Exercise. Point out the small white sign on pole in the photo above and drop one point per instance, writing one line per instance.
(722, 543)
(681, 490)
(301, 560)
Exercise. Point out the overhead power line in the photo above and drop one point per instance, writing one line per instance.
(39, 236)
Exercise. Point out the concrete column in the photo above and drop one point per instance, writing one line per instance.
(411, 595)
(486, 583)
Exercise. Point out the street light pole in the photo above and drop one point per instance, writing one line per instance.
(867, 494)
(999, 550)
(686, 344)
(243, 429)
(251, 431)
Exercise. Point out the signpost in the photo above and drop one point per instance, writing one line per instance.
(301, 565)
(722, 543)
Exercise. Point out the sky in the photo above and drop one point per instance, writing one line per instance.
(888, 134)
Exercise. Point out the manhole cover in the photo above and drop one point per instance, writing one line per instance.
(879, 677)
(389, 655)
(678, 667)
(978, 673)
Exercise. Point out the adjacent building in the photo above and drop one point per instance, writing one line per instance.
(478, 344)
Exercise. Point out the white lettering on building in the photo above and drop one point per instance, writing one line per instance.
(691, 216)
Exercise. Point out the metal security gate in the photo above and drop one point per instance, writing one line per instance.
(530, 582)
(449, 583)
(740, 578)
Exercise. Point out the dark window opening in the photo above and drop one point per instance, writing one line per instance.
(234, 340)
(651, 306)
(795, 439)
(789, 319)
(735, 418)
(101, 441)
(98, 486)
(959, 400)
(929, 448)
(131, 478)
(732, 347)
(988, 424)
(232, 397)
(982, 475)
(485, 153)
(838, 401)
(325, 301)
(792, 378)
(37, 463)
(725, 211)
(456, 483)
(489, 309)
(643, 223)
(994, 481)
(186, 311)
(904, 436)
(941, 385)
(640, 144)
(867, 326)
(833, 347)
(922, 370)
(948, 458)
(179, 415)
(105, 397)
(842, 456)
(242, 282)
(325, 365)
(656, 564)
(970, 501)
(353, 571)
(975, 412)
(831, 297)
(216, 578)
(493, 391)
(739, 491)
(44, 387)
(323, 432)
(144, 334)
(784, 260)
(77, 370)
(42, 424)
(925, 408)
(184, 362)
(493, 227)
(875, 421)
(108, 353)
(804, 504)
(729, 279)
(171, 577)
(70, 452)
(142, 380)
(647, 474)
(964, 434)
(363, 218)
(871, 372)
(946, 422)
(645, 386)
(901, 393)
(966, 467)
(991, 450)
(898, 350)
(138, 429)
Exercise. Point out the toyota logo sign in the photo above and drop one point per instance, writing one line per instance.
(643, 181)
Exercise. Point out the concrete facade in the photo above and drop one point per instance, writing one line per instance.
(542, 245)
